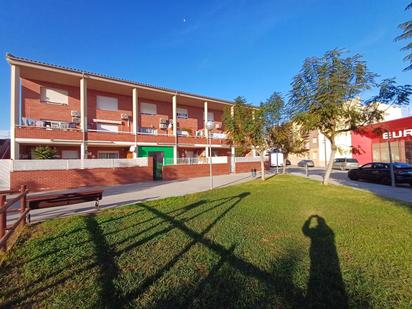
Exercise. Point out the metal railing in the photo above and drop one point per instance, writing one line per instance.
(194, 160)
(35, 165)
(7, 231)
(249, 159)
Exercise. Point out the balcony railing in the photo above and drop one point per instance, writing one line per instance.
(195, 160)
(47, 133)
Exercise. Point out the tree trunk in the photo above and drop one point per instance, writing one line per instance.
(262, 164)
(330, 163)
(285, 158)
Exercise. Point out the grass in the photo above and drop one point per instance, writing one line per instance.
(250, 245)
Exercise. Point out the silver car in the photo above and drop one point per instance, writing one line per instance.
(345, 164)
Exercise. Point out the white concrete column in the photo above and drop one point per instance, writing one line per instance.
(135, 119)
(83, 116)
(206, 110)
(135, 111)
(232, 149)
(14, 110)
(174, 111)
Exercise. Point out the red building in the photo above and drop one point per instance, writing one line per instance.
(86, 115)
(371, 143)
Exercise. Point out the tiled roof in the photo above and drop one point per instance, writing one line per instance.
(12, 57)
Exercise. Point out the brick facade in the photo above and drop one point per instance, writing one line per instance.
(173, 172)
(67, 179)
(245, 167)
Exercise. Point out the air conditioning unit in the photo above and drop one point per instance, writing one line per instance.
(75, 114)
(124, 116)
(163, 126)
(76, 119)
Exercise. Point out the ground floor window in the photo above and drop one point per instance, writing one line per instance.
(70, 154)
(108, 155)
(408, 152)
(380, 151)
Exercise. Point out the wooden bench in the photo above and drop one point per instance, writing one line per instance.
(61, 199)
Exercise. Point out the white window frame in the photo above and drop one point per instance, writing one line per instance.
(107, 103)
(108, 152)
(71, 156)
(63, 94)
(148, 108)
(103, 127)
(182, 113)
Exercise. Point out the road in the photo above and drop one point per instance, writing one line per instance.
(401, 192)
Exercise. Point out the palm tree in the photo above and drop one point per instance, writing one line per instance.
(407, 34)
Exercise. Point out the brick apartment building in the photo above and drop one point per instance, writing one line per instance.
(86, 115)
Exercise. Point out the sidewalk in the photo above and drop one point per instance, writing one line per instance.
(115, 196)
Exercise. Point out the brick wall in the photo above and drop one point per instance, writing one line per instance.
(173, 172)
(66, 179)
(245, 167)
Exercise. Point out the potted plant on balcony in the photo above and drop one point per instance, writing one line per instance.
(44, 153)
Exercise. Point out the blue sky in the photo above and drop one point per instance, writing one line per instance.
(217, 48)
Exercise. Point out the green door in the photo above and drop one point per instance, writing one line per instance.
(157, 164)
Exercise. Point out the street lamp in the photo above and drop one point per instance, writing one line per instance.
(390, 158)
(210, 125)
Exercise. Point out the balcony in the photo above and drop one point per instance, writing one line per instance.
(48, 133)
(154, 137)
(100, 135)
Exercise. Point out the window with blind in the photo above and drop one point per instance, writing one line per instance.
(54, 96)
(107, 103)
(210, 116)
(108, 155)
(182, 113)
(148, 108)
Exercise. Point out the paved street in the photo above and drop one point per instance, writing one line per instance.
(401, 192)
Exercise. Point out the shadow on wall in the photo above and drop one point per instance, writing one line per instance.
(325, 288)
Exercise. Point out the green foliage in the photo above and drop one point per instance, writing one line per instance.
(273, 110)
(288, 138)
(406, 27)
(44, 152)
(325, 94)
(245, 128)
(243, 246)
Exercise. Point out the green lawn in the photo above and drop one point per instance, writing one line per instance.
(248, 245)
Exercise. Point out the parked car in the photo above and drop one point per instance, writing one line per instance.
(345, 164)
(380, 172)
(303, 163)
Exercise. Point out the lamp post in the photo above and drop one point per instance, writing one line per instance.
(390, 159)
(210, 125)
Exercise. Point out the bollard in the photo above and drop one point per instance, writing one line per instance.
(253, 172)
(3, 218)
(23, 201)
(307, 170)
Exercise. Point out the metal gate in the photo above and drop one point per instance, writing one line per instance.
(5, 174)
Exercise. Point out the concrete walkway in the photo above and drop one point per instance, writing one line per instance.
(115, 196)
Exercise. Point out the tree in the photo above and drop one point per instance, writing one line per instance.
(245, 128)
(407, 34)
(288, 138)
(324, 96)
(44, 152)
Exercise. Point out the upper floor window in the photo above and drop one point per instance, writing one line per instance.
(148, 108)
(107, 103)
(54, 96)
(182, 113)
(210, 116)
(107, 127)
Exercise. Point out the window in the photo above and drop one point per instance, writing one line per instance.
(369, 165)
(182, 113)
(148, 130)
(54, 96)
(108, 155)
(148, 109)
(107, 127)
(210, 116)
(107, 103)
(70, 154)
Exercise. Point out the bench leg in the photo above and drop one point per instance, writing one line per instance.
(97, 204)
